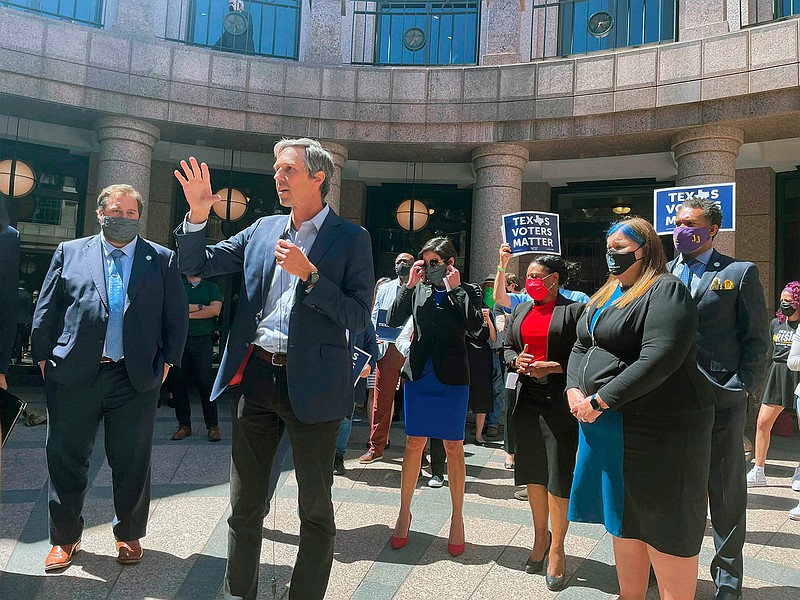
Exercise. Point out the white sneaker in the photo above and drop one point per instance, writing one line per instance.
(794, 514)
(435, 482)
(796, 480)
(756, 478)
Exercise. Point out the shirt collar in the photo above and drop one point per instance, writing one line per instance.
(704, 258)
(316, 221)
(127, 249)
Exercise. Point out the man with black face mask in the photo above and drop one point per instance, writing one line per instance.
(732, 345)
(387, 372)
(110, 320)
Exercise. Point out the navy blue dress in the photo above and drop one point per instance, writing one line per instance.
(433, 409)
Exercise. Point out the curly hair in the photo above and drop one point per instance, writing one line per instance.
(793, 287)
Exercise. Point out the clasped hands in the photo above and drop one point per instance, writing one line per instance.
(581, 406)
(528, 365)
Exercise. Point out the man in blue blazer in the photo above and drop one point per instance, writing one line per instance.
(732, 345)
(307, 280)
(9, 278)
(110, 320)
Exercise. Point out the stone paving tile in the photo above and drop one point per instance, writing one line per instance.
(13, 518)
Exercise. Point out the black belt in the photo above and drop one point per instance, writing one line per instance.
(105, 360)
(277, 359)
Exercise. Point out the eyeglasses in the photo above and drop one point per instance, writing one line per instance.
(434, 262)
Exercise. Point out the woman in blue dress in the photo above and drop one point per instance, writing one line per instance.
(645, 412)
(442, 309)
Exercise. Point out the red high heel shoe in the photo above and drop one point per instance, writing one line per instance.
(400, 542)
(456, 549)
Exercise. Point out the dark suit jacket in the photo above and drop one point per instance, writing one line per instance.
(641, 359)
(733, 334)
(69, 325)
(438, 333)
(9, 278)
(319, 362)
(560, 338)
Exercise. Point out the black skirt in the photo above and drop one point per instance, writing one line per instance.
(780, 386)
(546, 439)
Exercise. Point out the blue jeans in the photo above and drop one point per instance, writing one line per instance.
(498, 392)
(345, 428)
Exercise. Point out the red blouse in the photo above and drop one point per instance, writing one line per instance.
(534, 329)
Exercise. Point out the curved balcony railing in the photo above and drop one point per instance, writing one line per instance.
(85, 12)
(406, 32)
(259, 27)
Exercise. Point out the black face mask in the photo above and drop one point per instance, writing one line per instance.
(787, 309)
(402, 269)
(619, 262)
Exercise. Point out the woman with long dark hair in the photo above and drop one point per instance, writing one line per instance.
(539, 338)
(437, 376)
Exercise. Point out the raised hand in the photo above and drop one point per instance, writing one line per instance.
(417, 271)
(453, 277)
(196, 183)
(505, 255)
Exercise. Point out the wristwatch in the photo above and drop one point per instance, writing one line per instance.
(595, 404)
(200, 306)
(313, 278)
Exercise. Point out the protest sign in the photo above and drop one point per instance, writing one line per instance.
(667, 203)
(532, 231)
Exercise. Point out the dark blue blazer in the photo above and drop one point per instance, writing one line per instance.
(733, 334)
(69, 325)
(319, 362)
(9, 278)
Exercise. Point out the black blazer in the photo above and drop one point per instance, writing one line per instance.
(642, 358)
(438, 332)
(560, 339)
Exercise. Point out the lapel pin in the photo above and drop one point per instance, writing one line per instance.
(716, 264)
(716, 284)
(728, 284)
(148, 257)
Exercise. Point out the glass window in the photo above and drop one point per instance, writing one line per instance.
(786, 8)
(265, 27)
(788, 229)
(591, 25)
(87, 12)
(427, 33)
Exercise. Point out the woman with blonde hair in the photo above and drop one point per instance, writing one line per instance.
(645, 413)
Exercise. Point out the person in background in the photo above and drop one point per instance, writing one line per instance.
(793, 362)
(539, 339)
(645, 412)
(496, 344)
(24, 318)
(732, 351)
(205, 303)
(387, 371)
(509, 300)
(366, 341)
(437, 376)
(370, 398)
(781, 382)
(9, 276)
(479, 355)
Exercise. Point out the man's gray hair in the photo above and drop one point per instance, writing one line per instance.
(317, 159)
(711, 209)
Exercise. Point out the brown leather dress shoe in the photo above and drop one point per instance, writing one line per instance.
(129, 553)
(60, 557)
(181, 433)
(213, 434)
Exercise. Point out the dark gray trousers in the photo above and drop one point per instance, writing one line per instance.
(727, 491)
(73, 418)
(259, 416)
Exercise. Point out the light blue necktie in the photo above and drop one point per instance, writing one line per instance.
(116, 307)
(686, 274)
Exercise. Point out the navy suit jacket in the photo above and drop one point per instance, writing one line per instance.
(9, 278)
(69, 325)
(733, 335)
(319, 358)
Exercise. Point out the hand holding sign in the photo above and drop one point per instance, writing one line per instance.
(505, 254)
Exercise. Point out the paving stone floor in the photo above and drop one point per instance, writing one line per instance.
(185, 547)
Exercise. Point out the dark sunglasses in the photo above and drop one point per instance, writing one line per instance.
(434, 262)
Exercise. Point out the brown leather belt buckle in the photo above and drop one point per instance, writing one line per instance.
(278, 359)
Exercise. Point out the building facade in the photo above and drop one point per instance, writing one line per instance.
(475, 108)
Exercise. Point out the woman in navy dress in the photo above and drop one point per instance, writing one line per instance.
(645, 412)
(437, 374)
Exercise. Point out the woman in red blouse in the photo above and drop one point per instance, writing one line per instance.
(539, 339)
